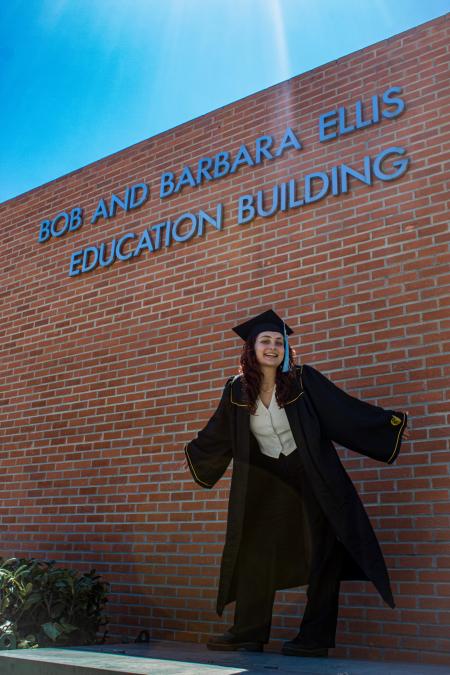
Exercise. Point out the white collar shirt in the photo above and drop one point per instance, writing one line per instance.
(271, 428)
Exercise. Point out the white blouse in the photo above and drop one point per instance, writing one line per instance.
(270, 426)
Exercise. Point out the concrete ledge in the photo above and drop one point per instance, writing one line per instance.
(180, 658)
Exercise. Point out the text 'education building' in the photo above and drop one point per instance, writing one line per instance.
(323, 197)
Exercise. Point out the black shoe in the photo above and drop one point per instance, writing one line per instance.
(295, 648)
(232, 643)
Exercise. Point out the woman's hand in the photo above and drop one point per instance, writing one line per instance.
(183, 466)
(406, 431)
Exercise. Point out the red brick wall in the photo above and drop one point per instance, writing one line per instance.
(105, 375)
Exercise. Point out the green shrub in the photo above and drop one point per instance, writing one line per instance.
(42, 605)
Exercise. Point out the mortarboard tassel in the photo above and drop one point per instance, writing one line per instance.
(285, 368)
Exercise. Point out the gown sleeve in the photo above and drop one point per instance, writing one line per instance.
(360, 426)
(210, 453)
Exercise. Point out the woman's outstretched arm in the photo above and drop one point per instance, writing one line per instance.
(209, 454)
(360, 426)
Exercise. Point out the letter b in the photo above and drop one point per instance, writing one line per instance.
(44, 231)
(76, 219)
(167, 185)
(246, 210)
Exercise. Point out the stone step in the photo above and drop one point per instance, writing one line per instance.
(176, 658)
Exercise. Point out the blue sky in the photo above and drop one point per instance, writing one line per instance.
(81, 79)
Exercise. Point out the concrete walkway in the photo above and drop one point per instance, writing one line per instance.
(179, 658)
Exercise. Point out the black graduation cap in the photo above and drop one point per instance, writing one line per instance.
(266, 321)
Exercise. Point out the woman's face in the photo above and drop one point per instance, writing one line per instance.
(269, 348)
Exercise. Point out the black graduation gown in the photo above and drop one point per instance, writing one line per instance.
(319, 413)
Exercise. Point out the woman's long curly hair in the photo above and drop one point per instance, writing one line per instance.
(252, 376)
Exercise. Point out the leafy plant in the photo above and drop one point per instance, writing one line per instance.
(44, 605)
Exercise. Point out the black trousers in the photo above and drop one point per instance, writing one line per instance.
(254, 594)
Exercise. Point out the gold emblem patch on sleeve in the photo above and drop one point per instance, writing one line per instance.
(395, 420)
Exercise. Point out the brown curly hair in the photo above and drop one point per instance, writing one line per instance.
(252, 376)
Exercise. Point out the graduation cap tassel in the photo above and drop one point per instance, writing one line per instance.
(286, 351)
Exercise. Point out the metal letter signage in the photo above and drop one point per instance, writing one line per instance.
(297, 192)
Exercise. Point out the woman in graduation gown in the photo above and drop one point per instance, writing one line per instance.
(294, 516)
